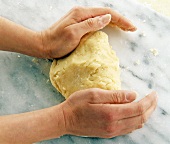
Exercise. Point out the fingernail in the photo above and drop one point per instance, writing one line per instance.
(141, 126)
(133, 29)
(154, 93)
(105, 19)
(130, 96)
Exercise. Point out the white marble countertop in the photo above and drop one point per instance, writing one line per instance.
(24, 82)
(162, 6)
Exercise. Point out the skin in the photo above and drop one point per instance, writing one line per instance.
(91, 112)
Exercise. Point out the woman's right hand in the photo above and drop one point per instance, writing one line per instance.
(64, 35)
(106, 113)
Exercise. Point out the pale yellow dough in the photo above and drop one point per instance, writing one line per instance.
(93, 64)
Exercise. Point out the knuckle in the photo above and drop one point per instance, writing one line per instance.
(108, 9)
(76, 13)
(76, 10)
(70, 34)
(109, 117)
(143, 119)
(140, 126)
(117, 97)
(93, 93)
(128, 111)
(109, 129)
(90, 22)
(140, 108)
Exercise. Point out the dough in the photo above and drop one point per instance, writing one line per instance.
(93, 64)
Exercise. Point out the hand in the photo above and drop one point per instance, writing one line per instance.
(102, 113)
(63, 37)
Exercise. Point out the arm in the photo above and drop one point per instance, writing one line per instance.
(16, 38)
(62, 37)
(32, 126)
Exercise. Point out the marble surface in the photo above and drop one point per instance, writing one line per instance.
(161, 6)
(24, 81)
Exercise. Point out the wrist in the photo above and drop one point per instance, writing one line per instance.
(68, 118)
(40, 45)
(59, 120)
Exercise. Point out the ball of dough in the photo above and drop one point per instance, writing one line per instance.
(93, 64)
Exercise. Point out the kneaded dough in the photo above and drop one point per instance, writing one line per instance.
(93, 64)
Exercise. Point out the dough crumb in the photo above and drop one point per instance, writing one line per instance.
(143, 34)
(137, 62)
(35, 60)
(144, 21)
(50, 8)
(127, 68)
(47, 81)
(154, 51)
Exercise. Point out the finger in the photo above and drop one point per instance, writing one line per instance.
(136, 109)
(101, 96)
(119, 20)
(138, 120)
(129, 130)
(122, 111)
(83, 13)
(91, 24)
(123, 132)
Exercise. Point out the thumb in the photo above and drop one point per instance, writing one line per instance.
(114, 96)
(92, 24)
(123, 96)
